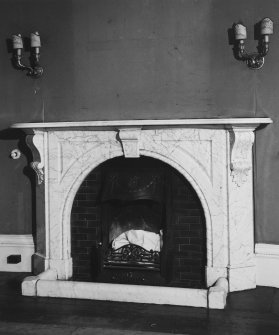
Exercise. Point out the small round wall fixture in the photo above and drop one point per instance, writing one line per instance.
(15, 154)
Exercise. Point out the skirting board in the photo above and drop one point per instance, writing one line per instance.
(267, 264)
(22, 245)
(267, 258)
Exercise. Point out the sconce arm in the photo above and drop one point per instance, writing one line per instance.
(264, 48)
(35, 70)
(254, 60)
(18, 64)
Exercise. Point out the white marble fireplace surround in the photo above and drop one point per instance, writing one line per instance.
(214, 155)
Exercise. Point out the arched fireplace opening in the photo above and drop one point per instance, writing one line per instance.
(138, 221)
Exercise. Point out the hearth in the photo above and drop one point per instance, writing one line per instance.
(214, 156)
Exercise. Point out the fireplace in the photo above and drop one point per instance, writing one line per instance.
(212, 156)
(138, 221)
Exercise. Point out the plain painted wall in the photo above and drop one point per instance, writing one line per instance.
(125, 59)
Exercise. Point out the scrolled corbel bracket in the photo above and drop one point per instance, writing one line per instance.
(36, 142)
(241, 143)
(39, 170)
(130, 140)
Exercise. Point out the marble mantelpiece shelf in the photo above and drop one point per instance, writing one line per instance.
(147, 123)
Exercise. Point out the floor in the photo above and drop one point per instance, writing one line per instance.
(252, 312)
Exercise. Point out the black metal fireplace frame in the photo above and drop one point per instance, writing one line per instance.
(132, 257)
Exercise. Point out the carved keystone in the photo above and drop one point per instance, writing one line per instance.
(130, 140)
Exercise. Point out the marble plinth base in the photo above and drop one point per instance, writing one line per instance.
(29, 284)
(46, 285)
(217, 294)
(242, 278)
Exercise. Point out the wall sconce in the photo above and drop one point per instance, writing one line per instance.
(253, 60)
(34, 70)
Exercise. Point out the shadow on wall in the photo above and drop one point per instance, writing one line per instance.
(19, 136)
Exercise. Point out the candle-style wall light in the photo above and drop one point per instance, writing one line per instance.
(253, 60)
(34, 70)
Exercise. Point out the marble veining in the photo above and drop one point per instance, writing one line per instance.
(215, 156)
